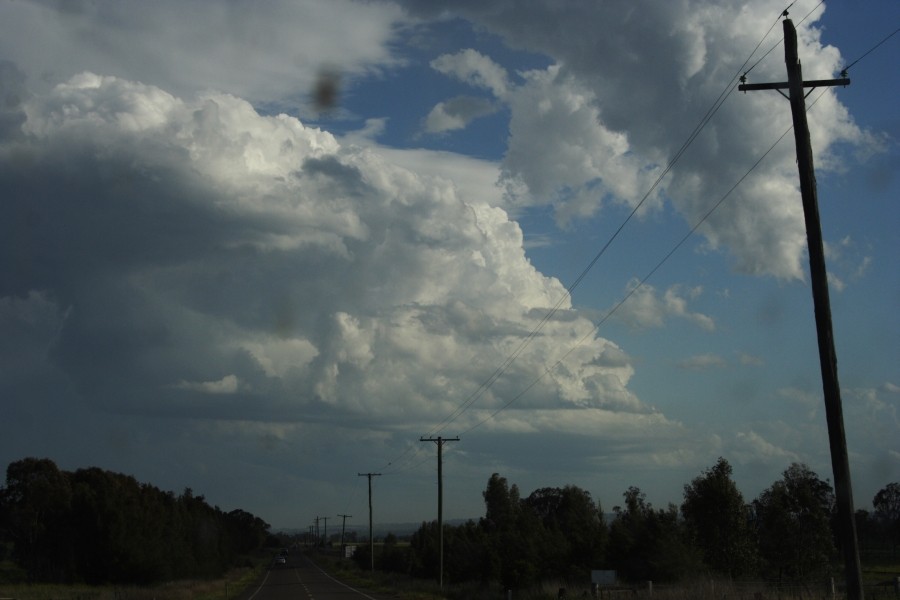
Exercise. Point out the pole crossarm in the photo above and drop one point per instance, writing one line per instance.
(784, 85)
(438, 439)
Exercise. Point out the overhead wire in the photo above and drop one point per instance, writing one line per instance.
(678, 245)
(872, 49)
(499, 371)
(630, 293)
(707, 117)
(523, 344)
(644, 279)
(391, 468)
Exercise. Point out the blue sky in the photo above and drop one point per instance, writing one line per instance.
(209, 282)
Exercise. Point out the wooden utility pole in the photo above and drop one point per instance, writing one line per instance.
(324, 531)
(440, 446)
(343, 528)
(371, 536)
(822, 305)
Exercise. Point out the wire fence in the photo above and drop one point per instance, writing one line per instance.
(732, 590)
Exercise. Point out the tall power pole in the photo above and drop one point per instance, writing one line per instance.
(819, 279)
(324, 531)
(371, 536)
(440, 446)
(343, 528)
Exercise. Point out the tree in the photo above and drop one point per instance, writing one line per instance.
(36, 503)
(247, 532)
(717, 520)
(650, 544)
(101, 527)
(512, 535)
(574, 531)
(501, 503)
(392, 557)
(466, 555)
(794, 525)
(887, 510)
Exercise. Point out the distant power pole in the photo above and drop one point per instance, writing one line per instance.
(822, 305)
(324, 531)
(317, 533)
(371, 536)
(343, 528)
(440, 446)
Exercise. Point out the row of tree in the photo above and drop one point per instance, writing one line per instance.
(96, 526)
(785, 534)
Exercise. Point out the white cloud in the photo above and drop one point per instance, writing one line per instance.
(475, 69)
(627, 91)
(456, 113)
(314, 274)
(751, 360)
(750, 446)
(703, 362)
(646, 308)
(472, 177)
(227, 385)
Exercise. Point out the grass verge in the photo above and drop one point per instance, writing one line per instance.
(229, 587)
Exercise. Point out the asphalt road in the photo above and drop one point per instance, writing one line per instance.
(300, 579)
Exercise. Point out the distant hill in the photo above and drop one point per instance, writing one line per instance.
(398, 529)
(380, 529)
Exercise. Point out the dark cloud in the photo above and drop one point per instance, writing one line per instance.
(13, 93)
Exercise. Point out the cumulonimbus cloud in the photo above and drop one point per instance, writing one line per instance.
(201, 248)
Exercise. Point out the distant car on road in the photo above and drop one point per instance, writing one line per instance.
(280, 560)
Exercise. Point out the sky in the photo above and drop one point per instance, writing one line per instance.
(555, 231)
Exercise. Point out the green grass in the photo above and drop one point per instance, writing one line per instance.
(399, 586)
(406, 588)
(235, 582)
(876, 574)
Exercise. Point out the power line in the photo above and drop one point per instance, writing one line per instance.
(499, 371)
(640, 284)
(646, 277)
(781, 41)
(707, 117)
(870, 50)
(523, 344)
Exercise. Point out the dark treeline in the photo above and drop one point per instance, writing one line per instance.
(98, 527)
(784, 535)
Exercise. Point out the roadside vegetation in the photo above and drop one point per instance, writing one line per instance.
(231, 586)
(101, 528)
(781, 544)
(96, 535)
